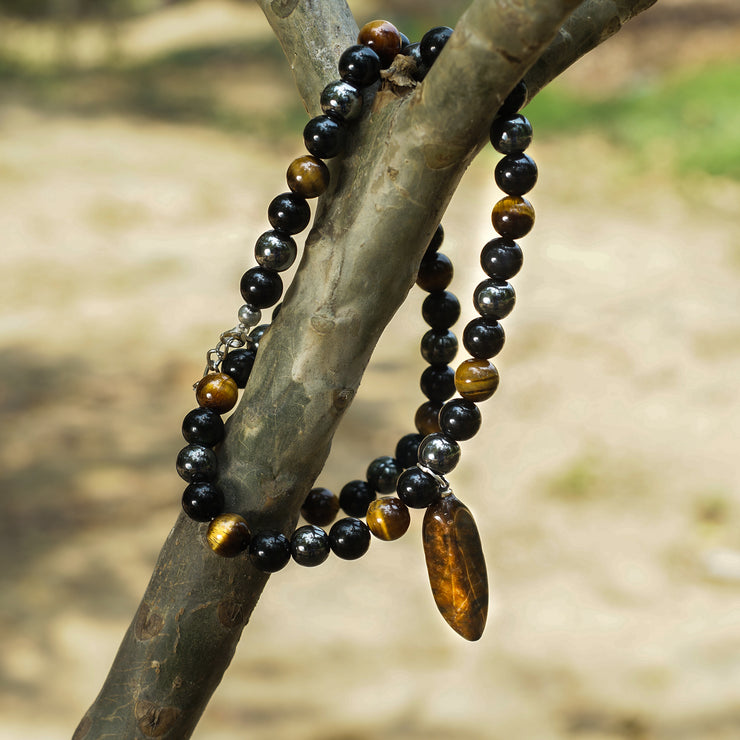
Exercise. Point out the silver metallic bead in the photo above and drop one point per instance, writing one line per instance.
(249, 315)
(342, 99)
(439, 453)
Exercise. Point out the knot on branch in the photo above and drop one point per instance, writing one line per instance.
(155, 721)
(148, 623)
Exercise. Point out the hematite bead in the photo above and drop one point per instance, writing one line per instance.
(202, 501)
(459, 419)
(249, 315)
(516, 174)
(494, 299)
(238, 364)
(307, 176)
(269, 550)
(289, 213)
(476, 380)
(275, 251)
(417, 489)
(436, 241)
(203, 426)
(260, 287)
(228, 535)
(501, 258)
(383, 38)
(432, 43)
(309, 545)
(349, 538)
(440, 309)
(514, 100)
(438, 382)
(435, 272)
(483, 338)
(320, 507)
(414, 52)
(388, 518)
(407, 449)
(439, 346)
(382, 474)
(217, 391)
(196, 463)
(325, 136)
(510, 134)
(257, 333)
(426, 420)
(513, 216)
(341, 99)
(359, 65)
(439, 453)
(355, 497)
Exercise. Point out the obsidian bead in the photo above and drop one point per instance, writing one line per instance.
(238, 364)
(404, 40)
(203, 426)
(516, 174)
(325, 136)
(196, 463)
(514, 100)
(417, 489)
(432, 43)
(275, 251)
(513, 216)
(276, 311)
(510, 134)
(257, 333)
(355, 497)
(382, 473)
(435, 272)
(359, 65)
(341, 99)
(440, 309)
(483, 338)
(320, 507)
(414, 52)
(494, 299)
(202, 501)
(309, 545)
(436, 241)
(407, 449)
(426, 417)
(459, 419)
(289, 213)
(439, 346)
(439, 453)
(260, 287)
(383, 38)
(349, 538)
(438, 382)
(269, 550)
(501, 258)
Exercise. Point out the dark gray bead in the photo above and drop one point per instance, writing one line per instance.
(439, 453)
(342, 99)
(275, 251)
(382, 474)
(494, 299)
(196, 463)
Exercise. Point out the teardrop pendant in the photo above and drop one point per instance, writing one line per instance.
(456, 566)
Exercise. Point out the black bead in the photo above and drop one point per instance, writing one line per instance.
(260, 287)
(439, 346)
(382, 474)
(196, 463)
(483, 338)
(439, 453)
(432, 43)
(349, 538)
(309, 545)
(355, 497)
(275, 251)
(501, 258)
(203, 426)
(276, 311)
(438, 382)
(516, 174)
(257, 333)
(359, 65)
(325, 137)
(404, 41)
(459, 419)
(320, 507)
(341, 99)
(238, 364)
(436, 241)
(407, 450)
(414, 51)
(202, 501)
(440, 309)
(269, 550)
(435, 272)
(289, 213)
(494, 299)
(514, 100)
(417, 489)
(510, 134)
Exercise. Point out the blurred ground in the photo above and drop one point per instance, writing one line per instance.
(605, 484)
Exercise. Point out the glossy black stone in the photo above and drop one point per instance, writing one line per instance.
(355, 497)
(359, 65)
(309, 545)
(437, 382)
(238, 364)
(435, 272)
(501, 258)
(349, 538)
(516, 174)
(439, 453)
(260, 287)
(320, 507)
(459, 419)
(407, 450)
(276, 311)
(202, 501)
(483, 338)
(439, 346)
(203, 426)
(414, 51)
(440, 309)
(269, 550)
(289, 213)
(382, 474)
(494, 299)
(436, 241)
(511, 134)
(342, 99)
(196, 463)
(275, 251)
(257, 333)
(514, 100)
(325, 136)
(432, 43)
(404, 40)
(417, 489)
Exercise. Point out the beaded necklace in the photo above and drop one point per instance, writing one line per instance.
(416, 473)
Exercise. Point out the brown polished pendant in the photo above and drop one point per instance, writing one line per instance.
(456, 566)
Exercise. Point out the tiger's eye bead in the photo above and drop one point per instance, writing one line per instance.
(260, 287)
(388, 518)
(432, 43)
(269, 550)
(325, 136)
(359, 65)
(349, 538)
(309, 545)
(308, 176)
(510, 134)
(476, 380)
(436, 241)
(439, 347)
(501, 258)
(439, 453)
(483, 338)
(228, 535)
(274, 251)
(238, 364)
(425, 419)
(513, 216)
(438, 382)
(382, 474)
(341, 99)
(407, 449)
(320, 507)
(494, 299)
(435, 272)
(516, 174)
(459, 419)
(203, 426)
(355, 497)
(202, 501)
(417, 489)
(217, 391)
(289, 213)
(196, 463)
(440, 309)
(383, 38)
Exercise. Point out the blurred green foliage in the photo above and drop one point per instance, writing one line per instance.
(77, 9)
